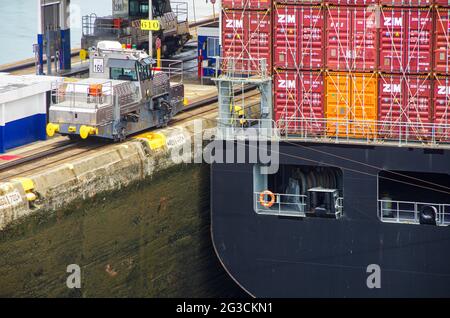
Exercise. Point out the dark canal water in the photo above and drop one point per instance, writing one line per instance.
(149, 240)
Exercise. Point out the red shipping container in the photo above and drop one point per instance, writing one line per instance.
(391, 93)
(404, 107)
(300, 2)
(351, 39)
(442, 42)
(299, 100)
(352, 2)
(406, 40)
(441, 112)
(247, 35)
(247, 4)
(407, 3)
(298, 37)
(443, 3)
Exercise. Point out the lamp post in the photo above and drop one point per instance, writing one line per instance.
(150, 17)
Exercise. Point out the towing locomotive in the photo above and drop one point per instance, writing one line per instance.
(124, 25)
(124, 94)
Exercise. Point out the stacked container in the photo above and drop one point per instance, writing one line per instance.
(247, 31)
(354, 68)
(441, 55)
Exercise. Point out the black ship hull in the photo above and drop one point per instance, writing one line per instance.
(284, 256)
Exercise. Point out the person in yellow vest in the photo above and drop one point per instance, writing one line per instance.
(238, 115)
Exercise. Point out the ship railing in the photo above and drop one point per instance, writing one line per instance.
(290, 205)
(285, 205)
(339, 207)
(409, 212)
(367, 131)
(241, 69)
(181, 10)
(174, 69)
(82, 95)
(246, 129)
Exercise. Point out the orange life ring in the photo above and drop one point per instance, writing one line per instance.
(263, 202)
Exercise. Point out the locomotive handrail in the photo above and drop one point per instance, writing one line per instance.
(79, 95)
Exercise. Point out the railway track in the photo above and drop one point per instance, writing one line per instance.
(65, 150)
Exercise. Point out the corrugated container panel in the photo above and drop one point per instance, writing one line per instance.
(443, 3)
(260, 36)
(404, 107)
(247, 4)
(247, 35)
(407, 3)
(299, 2)
(418, 107)
(351, 39)
(352, 2)
(299, 100)
(298, 37)
(390, 105)
(406, 40)
(441, 111)
(442, 42)
(233, 34)
(351, 104)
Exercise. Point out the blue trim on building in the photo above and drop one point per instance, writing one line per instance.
(203, 52)
(40, 39)
(65, 50)
(23, 131)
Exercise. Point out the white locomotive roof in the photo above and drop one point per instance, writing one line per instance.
(109, 45)
(14, 87)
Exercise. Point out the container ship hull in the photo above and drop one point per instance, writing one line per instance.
(282, 255)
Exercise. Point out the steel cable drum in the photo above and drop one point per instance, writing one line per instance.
(303, 183)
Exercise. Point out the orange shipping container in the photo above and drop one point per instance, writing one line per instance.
(351, 104)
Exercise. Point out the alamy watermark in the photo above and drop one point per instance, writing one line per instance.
(73, 281)
(374, 279)
(227, 145)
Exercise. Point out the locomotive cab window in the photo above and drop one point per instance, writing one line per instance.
(138, 9)
(124, 74)
(124, 70)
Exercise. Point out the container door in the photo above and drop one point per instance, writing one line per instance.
(442, 109)
(392, 38)
(287, 115)
(419, 41)
(391, 106)
(364, 105)
(442, 42)
(418, 108)
(338, 103)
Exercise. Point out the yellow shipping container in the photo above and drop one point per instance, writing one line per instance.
(351, 104)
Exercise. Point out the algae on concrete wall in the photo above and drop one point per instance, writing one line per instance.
(149, 240)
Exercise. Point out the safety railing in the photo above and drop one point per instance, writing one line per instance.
(247, 129)
(241, 69)
(181, 10)
(173, 68)
(284, 205)
(289, 205)
(370, 131)
(409, 212)
(339, 207)
(102, 26)
(82, 95)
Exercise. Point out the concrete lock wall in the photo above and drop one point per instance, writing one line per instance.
(109, 169)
